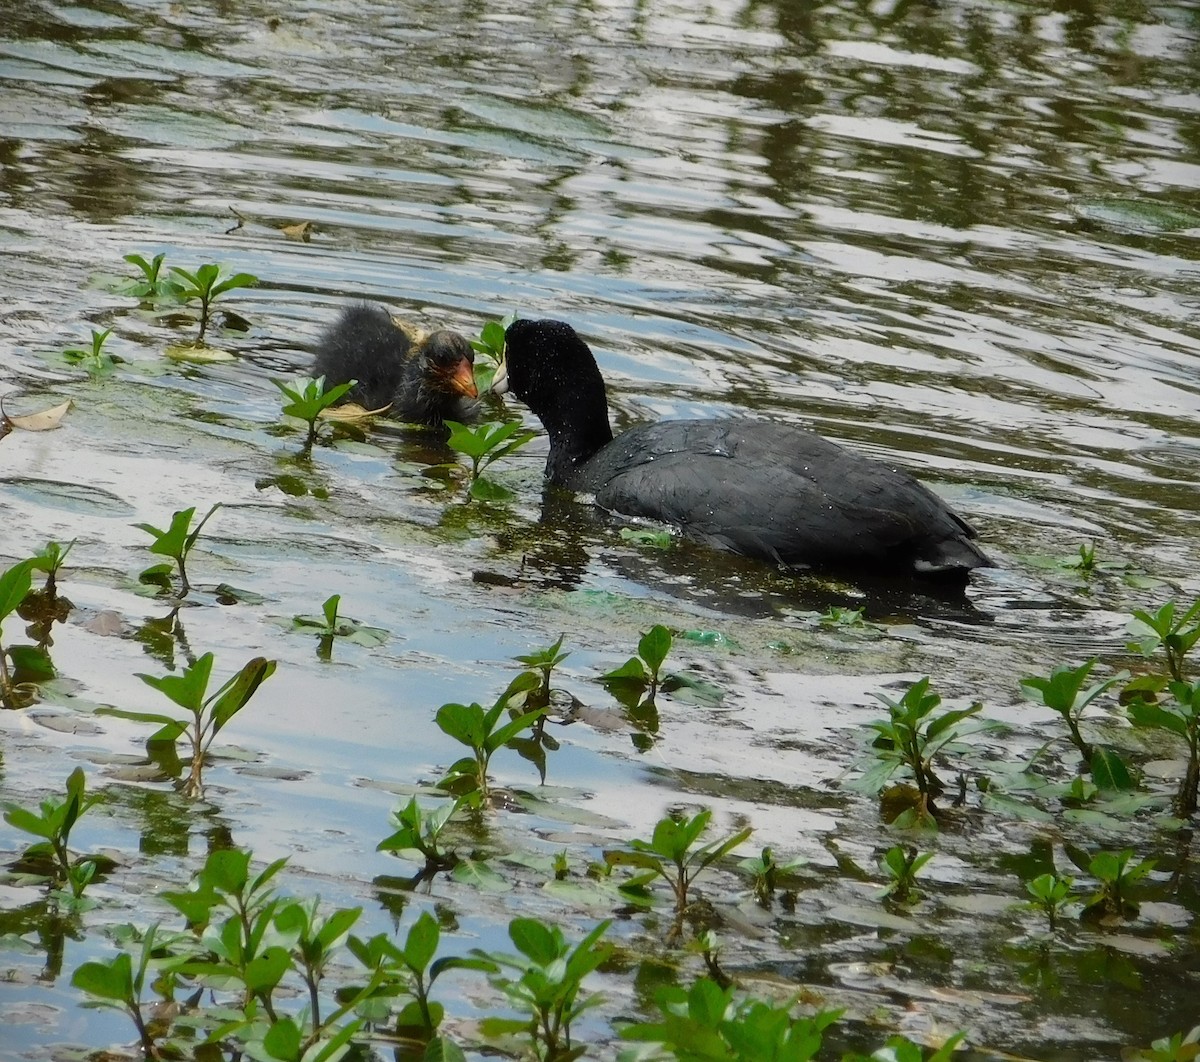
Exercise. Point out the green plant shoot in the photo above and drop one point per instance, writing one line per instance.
(669, 855)
(53, 822)
(96, 360)
(206, 284)
(175, 542)
(306, 399)
(483, 445)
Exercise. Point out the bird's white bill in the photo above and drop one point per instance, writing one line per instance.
(500, 380)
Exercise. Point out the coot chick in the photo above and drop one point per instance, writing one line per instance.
(424, 378)
(766, 490)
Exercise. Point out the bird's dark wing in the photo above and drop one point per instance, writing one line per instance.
(774, 491)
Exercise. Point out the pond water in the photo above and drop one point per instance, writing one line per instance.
(962, 237)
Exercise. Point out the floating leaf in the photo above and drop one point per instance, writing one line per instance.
(302, 230)
(351, 413)
(199, 355)
(46, 420)
(643, 537)
(687, 687)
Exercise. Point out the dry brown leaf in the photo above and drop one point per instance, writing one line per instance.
(352, 413)
(43, 421)
(302, 230)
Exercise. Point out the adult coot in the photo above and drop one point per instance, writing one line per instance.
(424, 378)
(762, 489)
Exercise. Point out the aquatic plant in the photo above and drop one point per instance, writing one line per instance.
(151, 285)
(14, 585)
(764, 870)
(485, 444)
(491, 345)
(1118, 873)
(306, 399)
(207, 284)
(902, 1049)
(175, 542)
(313, 938)
(1179, 1047)
(410, 969)
(713, 1021)
(902, 862)
(549, 975)
(1146, 698)
(329, 625)
(483, 732)
(49, 559)
(643, 670)
(1162, 629)
(1051, 895)
(418, 830)
(53, 821)
(669, 854)
(1179, 716)
(208, 713)
(910, 738)
(1062, 691)
(96, 360)
(117, 983)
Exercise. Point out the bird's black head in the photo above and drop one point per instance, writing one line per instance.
(549, 367)
(551, 370)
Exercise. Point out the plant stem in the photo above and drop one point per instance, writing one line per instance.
(6, 697)
(315, 1002)
(203, 317)
(148, 1044)
(1191, 777)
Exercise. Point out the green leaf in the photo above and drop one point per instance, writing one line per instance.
(535, 941)
(238, 280)
(421, 944)
(643, 860)
(511, 729)
(266, 971)
(28, 822)
(633, 670)
(442, 1049)
(654, 646)
(1109, 770)
(32, 660)
(463, 722)
(483, 489)
(1145, 714)
(232, 697)
(283, 1039)
(170, 543)
(107, 980)
(14, 585)
(479, 874)
(337, 925)
(948, 719)
(186, 690)
(330, 609)
(227, 869)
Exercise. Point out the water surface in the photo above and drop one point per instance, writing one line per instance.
(961, 237)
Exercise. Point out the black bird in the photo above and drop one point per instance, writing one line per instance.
(766, 490)
(423, 378)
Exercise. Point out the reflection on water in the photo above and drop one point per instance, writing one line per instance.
(962, 237)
